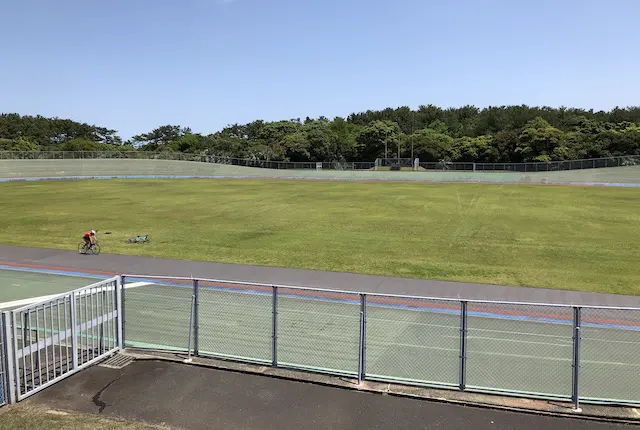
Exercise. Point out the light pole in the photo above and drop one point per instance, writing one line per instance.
(412, 148)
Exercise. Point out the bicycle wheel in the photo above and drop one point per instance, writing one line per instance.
(82, 248)
(95, 249)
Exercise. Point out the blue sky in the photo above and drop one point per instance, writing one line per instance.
(136, 64)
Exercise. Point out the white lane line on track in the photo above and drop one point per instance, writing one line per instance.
(24, 302)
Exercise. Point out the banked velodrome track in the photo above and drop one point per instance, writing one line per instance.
(12, 170)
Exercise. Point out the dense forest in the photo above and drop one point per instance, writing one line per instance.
(493, 134)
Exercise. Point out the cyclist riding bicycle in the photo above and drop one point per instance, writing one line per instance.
(89, 239)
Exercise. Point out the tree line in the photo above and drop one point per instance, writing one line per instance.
(431, 133)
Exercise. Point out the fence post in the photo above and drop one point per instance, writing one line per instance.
(14, 333)
(74, 332)
(274, 327)
(120, 298)
(463, 345)
(362, 346)
(118, 310)
(10, 388)
(364, 335)
(196, 319)
(193, 304)
(575, 390)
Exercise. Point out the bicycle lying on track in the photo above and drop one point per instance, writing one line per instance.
(91, 249)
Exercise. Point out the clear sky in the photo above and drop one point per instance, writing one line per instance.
(133, 65)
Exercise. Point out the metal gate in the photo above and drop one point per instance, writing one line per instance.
(56, 338)
(3, 363)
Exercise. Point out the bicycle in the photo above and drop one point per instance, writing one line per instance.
(84, 249)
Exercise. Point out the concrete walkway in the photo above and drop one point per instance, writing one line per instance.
(193, 397)
(119, 264)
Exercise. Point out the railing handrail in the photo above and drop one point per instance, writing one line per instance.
(61, 295)
(183, 156)
(372, 294)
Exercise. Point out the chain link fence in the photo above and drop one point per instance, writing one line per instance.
(318, 330)
(610, 355)
(182, 156)
(157, 313)
(413, 340)
(520, 348)
(534, 167)
(556, 352)
(566, 353)
(444, 165)
(234, 321)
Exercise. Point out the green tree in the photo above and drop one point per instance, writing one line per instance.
(479, 149)
(378, 139)
(19, 144)
(272, 137)
(432, 146)
(496, 133)
(539, 140)
(323, 142)
(159, 136)
(188, 142)
(295, 147)
(78, 144)
(345, 134)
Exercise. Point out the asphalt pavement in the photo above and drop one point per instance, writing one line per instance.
(197, 398)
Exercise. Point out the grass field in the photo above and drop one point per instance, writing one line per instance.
(25, 416)
(579, 238)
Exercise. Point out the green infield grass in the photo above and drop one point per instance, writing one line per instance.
(577, 238)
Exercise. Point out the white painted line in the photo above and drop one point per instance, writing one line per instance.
(17, 303)
(137, 284)
(24, 302)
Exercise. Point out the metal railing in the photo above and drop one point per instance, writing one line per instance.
(561, 352)
(91, 155)
(180, 156)
(532, 167)
(3, 364)
(53, 339)
(287, 165)
(553, 166)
